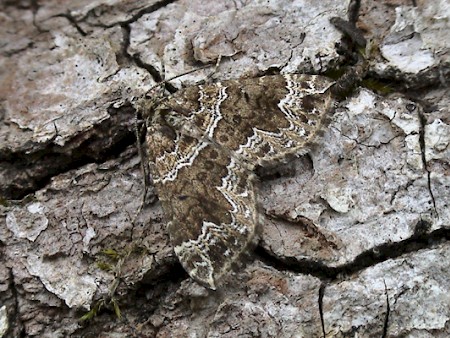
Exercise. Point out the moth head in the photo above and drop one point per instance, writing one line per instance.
(147, 106)
(171, 117)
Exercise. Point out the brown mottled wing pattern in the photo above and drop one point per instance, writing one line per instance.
(259, 120)
(204, 143)
(208, 199)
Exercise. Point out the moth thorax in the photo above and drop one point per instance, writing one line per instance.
(185, 126)
(173, 119)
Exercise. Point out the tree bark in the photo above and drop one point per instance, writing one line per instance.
(354, 235)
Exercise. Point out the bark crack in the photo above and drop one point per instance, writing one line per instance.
(421, 239)
(376, 146)
(388, 311)
(17, 322)
(320, 301)
(422, 123)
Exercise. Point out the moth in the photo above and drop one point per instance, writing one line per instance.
(204, 144)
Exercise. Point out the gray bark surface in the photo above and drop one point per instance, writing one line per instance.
(354, 240)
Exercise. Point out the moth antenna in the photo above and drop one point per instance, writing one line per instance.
(144, 165)
(176, 77)
(219, 60)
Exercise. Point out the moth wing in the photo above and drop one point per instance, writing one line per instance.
(208, 199)
(262, 120)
